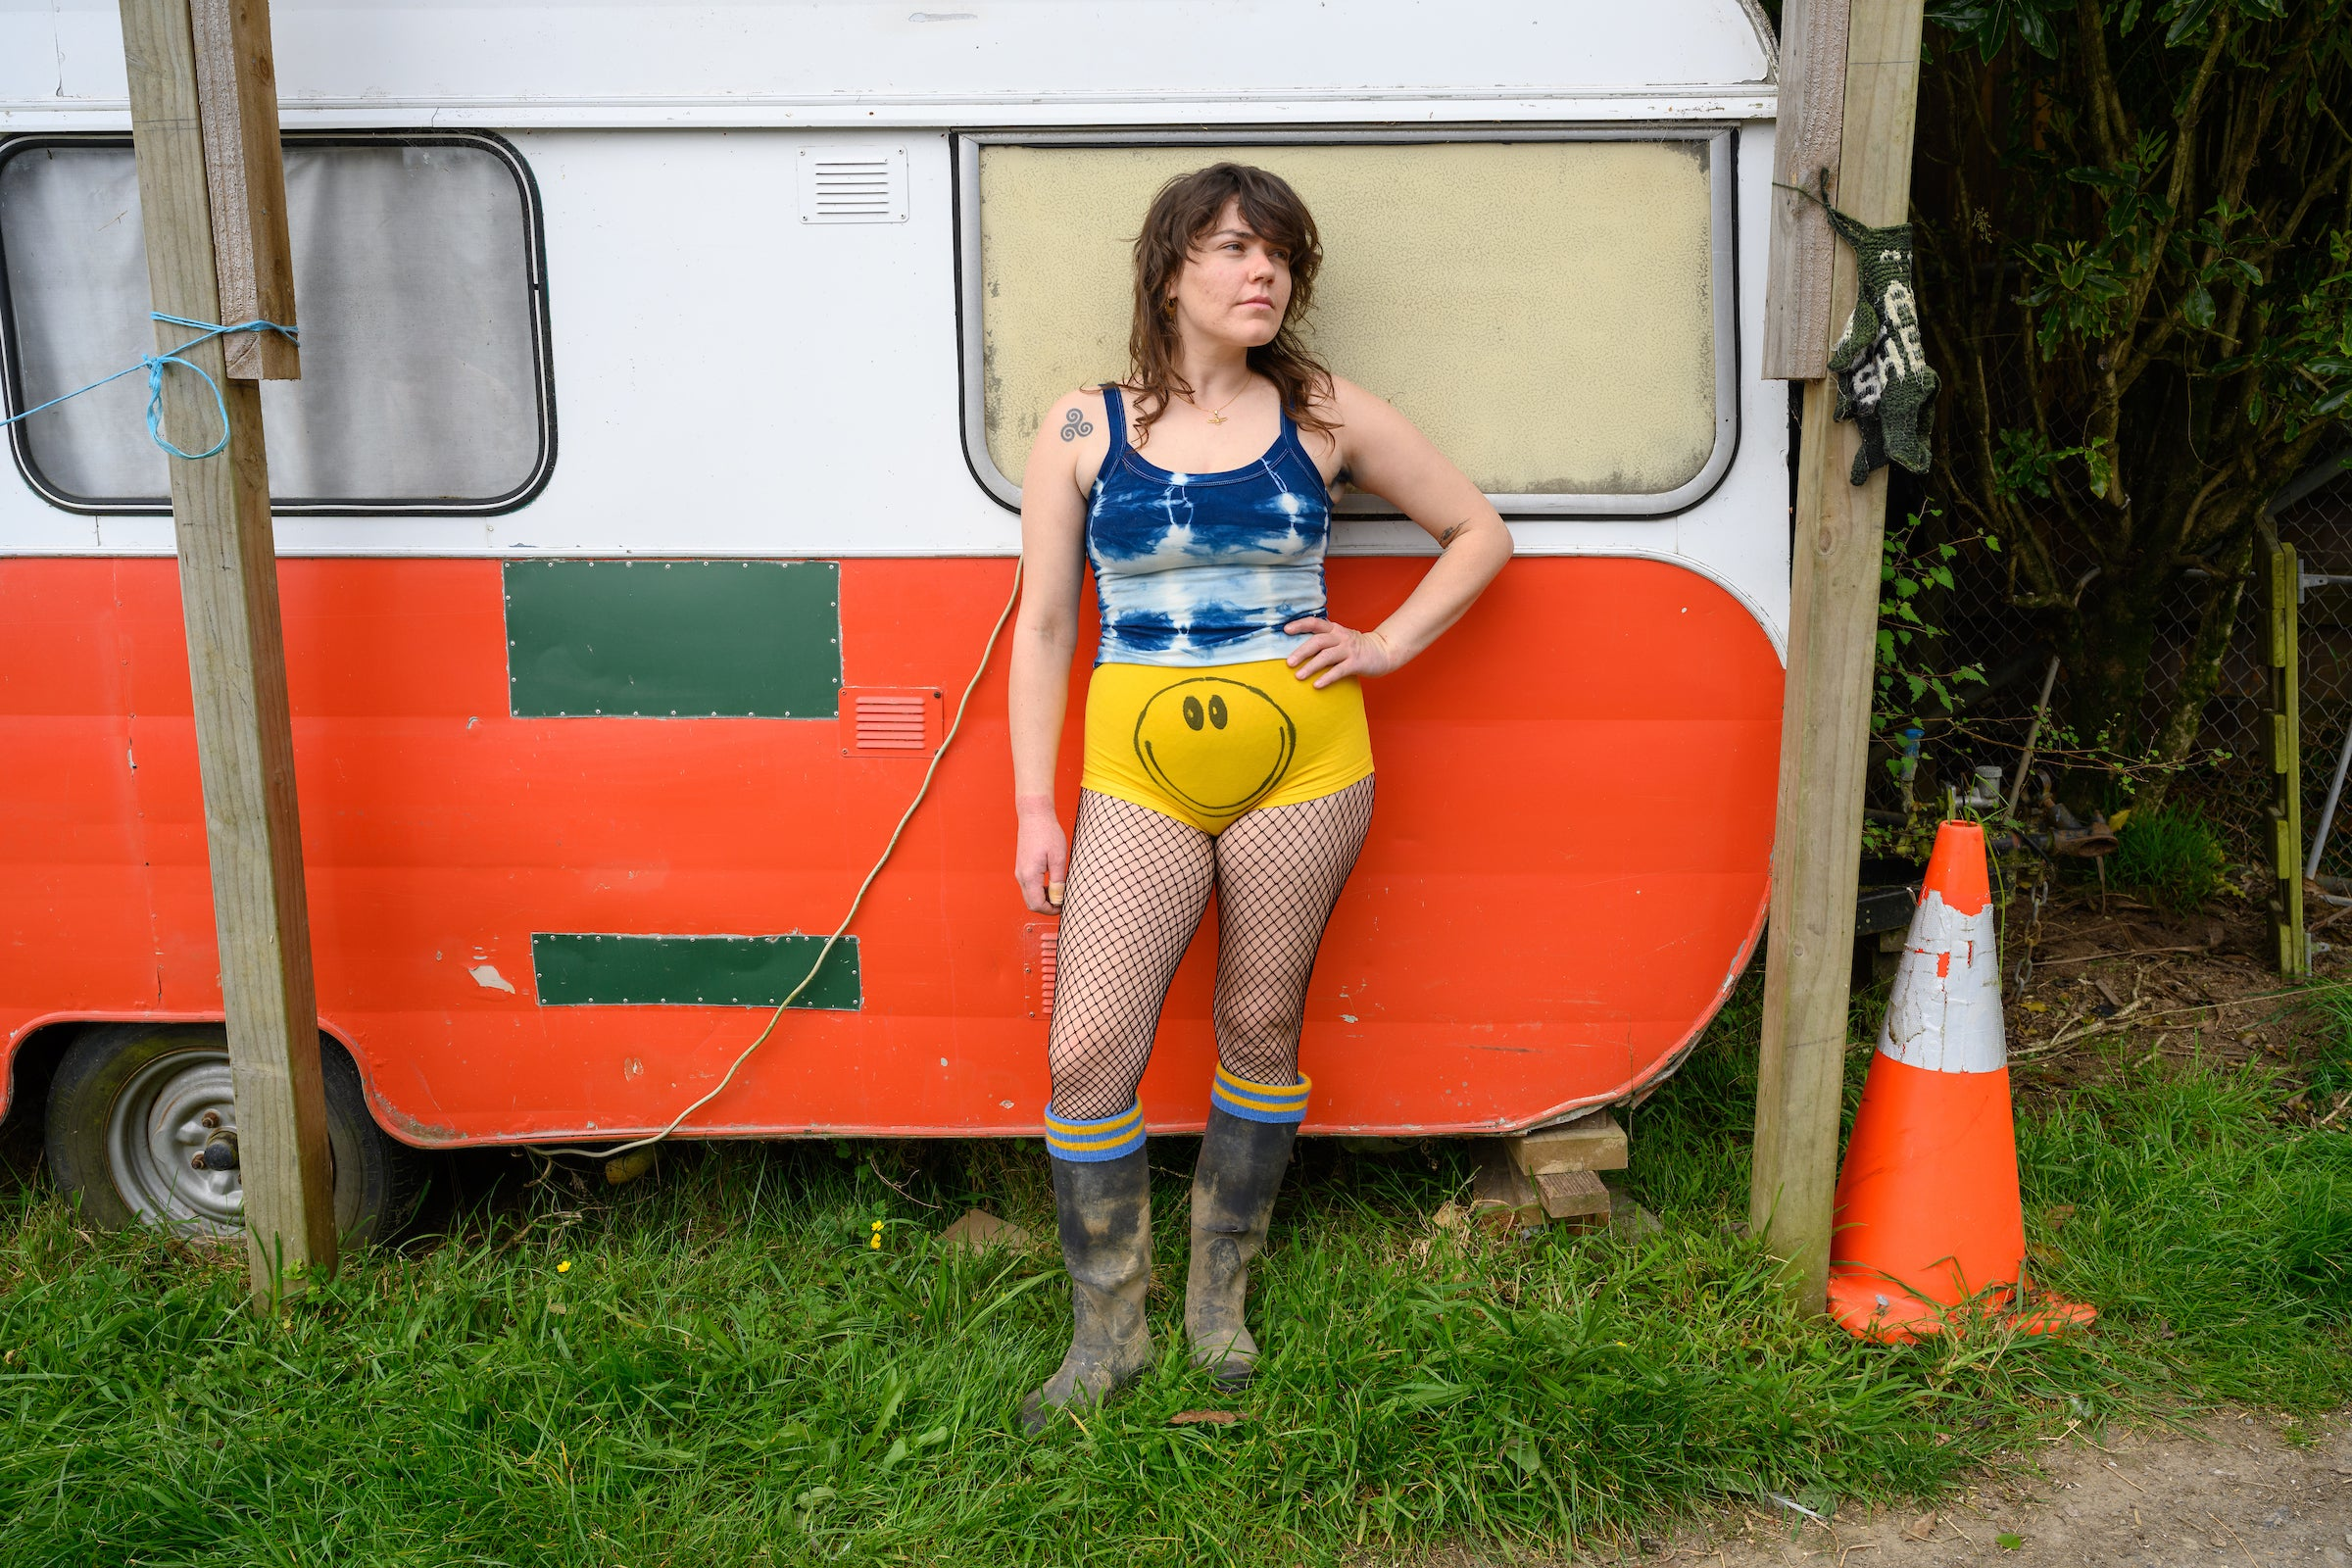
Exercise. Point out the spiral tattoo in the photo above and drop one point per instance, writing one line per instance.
(1075, 424)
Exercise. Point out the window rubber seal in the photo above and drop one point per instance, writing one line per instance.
(543, 391)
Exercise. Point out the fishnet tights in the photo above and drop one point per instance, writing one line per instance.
(1138, 884)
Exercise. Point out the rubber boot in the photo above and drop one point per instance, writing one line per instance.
(1241, 1163)
(1104, 1211)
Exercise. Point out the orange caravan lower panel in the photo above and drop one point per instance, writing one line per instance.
(1567, 868)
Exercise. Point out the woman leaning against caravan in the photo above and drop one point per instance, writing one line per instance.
(652, 491)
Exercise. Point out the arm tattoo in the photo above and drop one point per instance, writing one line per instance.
(1447, 538)
(1075, 424)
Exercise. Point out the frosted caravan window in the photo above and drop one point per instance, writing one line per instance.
(1556, 311)
(416, 279)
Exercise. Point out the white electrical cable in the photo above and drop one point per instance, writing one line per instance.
(986, 653)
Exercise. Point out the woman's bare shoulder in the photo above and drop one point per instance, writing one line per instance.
(1360, 416)
(1073, 417)
(1347, 399)
(1086, 398)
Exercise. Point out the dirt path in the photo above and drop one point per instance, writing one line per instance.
(2234, 1495)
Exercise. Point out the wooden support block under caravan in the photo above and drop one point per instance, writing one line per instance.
(1591, 1142)
(1503, 1197)
(1575, 1195)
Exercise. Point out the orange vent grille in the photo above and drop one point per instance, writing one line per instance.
(1039, 943)
(889, 721)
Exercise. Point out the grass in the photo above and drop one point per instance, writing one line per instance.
(2332, 1070)
(728, 1374)
(2175, 854)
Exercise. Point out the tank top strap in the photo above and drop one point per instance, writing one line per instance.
(1115, 421)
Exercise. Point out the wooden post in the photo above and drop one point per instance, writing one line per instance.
(236, 654)
(1805, 145)
(1825, 718)
(245, 174)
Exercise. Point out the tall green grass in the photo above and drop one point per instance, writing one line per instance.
(2175, 854)
(2330, 1005)
(2186, 1228)
(728, 1374)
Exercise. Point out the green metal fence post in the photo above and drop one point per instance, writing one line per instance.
(2285, 582)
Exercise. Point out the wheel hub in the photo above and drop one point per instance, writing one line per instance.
(170, 1145)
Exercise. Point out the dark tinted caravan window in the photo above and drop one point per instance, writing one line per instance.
(418, 279)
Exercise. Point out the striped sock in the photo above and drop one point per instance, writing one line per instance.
(1088, 1142)
(1239, 1096)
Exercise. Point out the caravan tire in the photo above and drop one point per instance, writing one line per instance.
(133, 1106)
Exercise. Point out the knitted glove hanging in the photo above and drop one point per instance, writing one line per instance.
(1884, 382)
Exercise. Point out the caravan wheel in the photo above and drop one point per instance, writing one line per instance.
(142, 1129)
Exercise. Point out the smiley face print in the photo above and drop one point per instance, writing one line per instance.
(1216, 745)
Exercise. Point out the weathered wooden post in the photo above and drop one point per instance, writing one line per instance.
(212, 192)
(1849, 80)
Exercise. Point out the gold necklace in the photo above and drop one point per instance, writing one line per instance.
(1216, 415)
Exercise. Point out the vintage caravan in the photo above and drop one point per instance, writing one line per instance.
(649, 499)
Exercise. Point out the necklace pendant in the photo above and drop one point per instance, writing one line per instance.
(1216, 418)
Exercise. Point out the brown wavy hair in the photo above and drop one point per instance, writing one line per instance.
(1186, 208)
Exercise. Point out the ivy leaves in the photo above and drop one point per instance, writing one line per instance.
(2149, 253)
(1987, 23)
(1912, 571)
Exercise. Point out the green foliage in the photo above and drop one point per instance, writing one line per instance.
(2025, 464)
(2303, 369)
(2173, 855)
(2136, 259)
(1915, 565)
(1913, 687)
(2038, 24)
(1987, 23)
(2180, 1221)
(2333, 1074)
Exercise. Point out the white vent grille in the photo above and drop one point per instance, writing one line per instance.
(840, 189)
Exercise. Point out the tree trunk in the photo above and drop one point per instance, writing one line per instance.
(2202, 672)
(2108, 646)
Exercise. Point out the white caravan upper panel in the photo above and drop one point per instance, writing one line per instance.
(878, 62)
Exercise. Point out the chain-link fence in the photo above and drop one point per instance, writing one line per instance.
(2318, 527)
(1979, 624)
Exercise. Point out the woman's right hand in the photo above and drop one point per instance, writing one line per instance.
(1041, 857)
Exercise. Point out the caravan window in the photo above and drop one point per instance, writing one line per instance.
(418, 281)
(1554, 308)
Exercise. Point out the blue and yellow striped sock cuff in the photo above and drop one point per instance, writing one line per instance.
(1239, 1096)
(1087, 1142)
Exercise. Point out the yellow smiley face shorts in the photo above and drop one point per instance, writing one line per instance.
(1206, 744)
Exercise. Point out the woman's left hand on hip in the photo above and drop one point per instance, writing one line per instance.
(1328, 651)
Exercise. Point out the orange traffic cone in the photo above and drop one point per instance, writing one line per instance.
(1927, 1220)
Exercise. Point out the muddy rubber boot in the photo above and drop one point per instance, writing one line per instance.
(1241, 1163)
(1104, 1211)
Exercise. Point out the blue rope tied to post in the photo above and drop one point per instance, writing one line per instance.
(153, 364)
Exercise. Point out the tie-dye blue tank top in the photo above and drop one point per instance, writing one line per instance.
(1205, 568)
